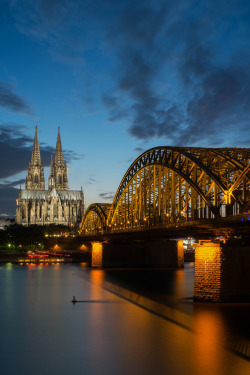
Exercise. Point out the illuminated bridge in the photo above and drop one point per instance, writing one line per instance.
(170, 185)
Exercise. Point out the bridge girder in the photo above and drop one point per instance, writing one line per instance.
(170, 184)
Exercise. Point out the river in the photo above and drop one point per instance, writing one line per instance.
(127, 322)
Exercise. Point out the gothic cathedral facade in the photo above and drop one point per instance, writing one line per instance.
(58, 204)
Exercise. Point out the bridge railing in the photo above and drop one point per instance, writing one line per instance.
(198, 223)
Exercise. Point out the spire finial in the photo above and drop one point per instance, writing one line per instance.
(36, 157)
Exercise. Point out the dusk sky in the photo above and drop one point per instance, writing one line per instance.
(118, 77)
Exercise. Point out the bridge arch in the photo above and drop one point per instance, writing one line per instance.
(95, 218)
(169, 184)
(195, 182)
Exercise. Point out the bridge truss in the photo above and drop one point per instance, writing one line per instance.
(176, 184)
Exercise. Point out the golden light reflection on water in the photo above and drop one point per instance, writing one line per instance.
(209, 341)
(97, 277)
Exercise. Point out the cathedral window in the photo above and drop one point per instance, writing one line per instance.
(36, 178)
(59, 180)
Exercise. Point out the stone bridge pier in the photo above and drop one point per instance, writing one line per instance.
(222, 271)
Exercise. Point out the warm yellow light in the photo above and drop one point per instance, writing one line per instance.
(228, 196)
(57, 247)
(97, 254)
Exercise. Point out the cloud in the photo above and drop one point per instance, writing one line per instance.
(70, 155)
(171, 70)
(13, 102)
(11, 184)
(139, 150)
(57, 25)
(107, 196)
(91, 181)
(183, 71)
(16, 149)
(8, 196)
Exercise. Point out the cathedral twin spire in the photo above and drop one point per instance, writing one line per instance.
(58, 178)
(36, 157)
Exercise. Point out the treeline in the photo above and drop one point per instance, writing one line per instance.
(17, 237)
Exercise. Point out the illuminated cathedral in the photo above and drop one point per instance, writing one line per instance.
(58, 204)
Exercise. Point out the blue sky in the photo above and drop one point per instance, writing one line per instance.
(118, 77)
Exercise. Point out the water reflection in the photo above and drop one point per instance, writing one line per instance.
(168, 294)
(210, 338)
(47, 334)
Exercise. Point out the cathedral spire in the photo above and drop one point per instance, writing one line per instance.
(58, 168)
(35, 178)
(59, 153)
(36, 157)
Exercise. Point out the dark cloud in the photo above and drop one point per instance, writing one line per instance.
(107, 196)
(139, 150)
(55, 24)
(13, 102)
(91, 181)
(16, 149)
(184, 70)
(8, 196)
(117, 110)
(70, 155)
(179, 68)
(11, 184)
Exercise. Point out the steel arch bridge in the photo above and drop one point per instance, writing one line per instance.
(176, 184)
(95, 218)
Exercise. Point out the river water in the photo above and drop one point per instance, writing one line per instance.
(127, 322)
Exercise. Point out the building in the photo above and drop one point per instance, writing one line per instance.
(58, 204)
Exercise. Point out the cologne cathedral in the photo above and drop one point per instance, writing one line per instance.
(58, 204)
